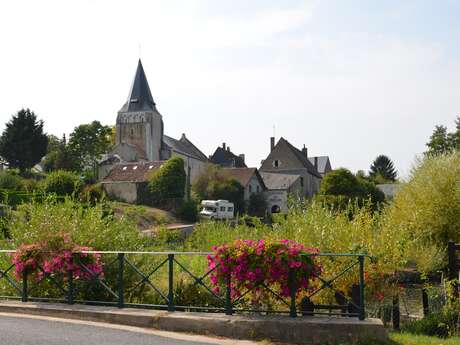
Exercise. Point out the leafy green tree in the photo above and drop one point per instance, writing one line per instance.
(53, 143)
(383, 167)
(88, 141)
(343, 185)
(23, 142)
(442, 141)
(168, 182)
(61, 158)
(214, 184)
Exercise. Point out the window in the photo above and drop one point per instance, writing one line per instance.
(276, 163)
(132, 132)
(222, 208)
(230, 209)
(250, 188)
(301, 181)
(258, 189)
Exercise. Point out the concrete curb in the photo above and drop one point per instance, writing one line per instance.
(302, 330)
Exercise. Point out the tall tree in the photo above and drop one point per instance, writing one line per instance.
(23, 142)
(61, 157)
(439, 141)
(383, 167)
(88, 141)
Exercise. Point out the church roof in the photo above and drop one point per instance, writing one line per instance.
(184, 146)
(140, 98)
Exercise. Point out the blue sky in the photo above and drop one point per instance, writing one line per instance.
(349, 79)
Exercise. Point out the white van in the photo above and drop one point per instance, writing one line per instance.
(217, 209)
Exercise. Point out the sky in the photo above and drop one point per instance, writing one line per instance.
(349, 79)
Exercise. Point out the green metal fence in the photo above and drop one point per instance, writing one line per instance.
(155, 280)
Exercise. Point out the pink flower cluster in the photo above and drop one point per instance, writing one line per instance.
(56, 257)
(253, 264)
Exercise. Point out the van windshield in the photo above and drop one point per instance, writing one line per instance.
(209, 209)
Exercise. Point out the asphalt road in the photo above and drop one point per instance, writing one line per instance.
(46, 331)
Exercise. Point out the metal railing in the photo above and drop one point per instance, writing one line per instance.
(121, 277)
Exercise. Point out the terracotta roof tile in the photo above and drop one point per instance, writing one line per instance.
(132, 172)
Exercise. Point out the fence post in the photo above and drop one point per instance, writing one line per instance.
(24, 297)
(70, 289)
(171, 282)
(292, 292)
(395, 312)
(426, 307)
(453, 265)
(121, 285)
(362, 311)
(228, 296)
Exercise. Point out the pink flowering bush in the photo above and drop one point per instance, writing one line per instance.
(53, 256)
(253, 264)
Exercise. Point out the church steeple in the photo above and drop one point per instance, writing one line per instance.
(139, 98)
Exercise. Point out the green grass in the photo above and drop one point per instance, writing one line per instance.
(412, 339)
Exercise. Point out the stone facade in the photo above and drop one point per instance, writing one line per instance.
(284, 158)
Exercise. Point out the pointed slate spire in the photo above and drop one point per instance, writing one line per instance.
(139, 98)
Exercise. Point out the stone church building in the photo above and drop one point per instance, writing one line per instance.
(140, 138)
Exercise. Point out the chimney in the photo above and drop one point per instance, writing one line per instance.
(223, 146)
(316, 163)
(228, 148)
(305, 151)
(242, 157)
(272, 143)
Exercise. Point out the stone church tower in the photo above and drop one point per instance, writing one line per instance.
(139, 127)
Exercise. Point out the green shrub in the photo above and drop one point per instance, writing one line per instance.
(62, 183)
(10, 182)
(441, 324)
(168, 182)
(188, 211)
(343, 185)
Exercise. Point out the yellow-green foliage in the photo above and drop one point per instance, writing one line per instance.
(426, 211)
(88, 226)
(314, 225)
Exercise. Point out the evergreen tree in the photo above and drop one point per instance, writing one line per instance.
(383, 168)
(23, 142)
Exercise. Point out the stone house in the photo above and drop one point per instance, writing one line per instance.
(226, 158)
(279, 187)
(249, 178)
(286, 159)
(125, 181)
